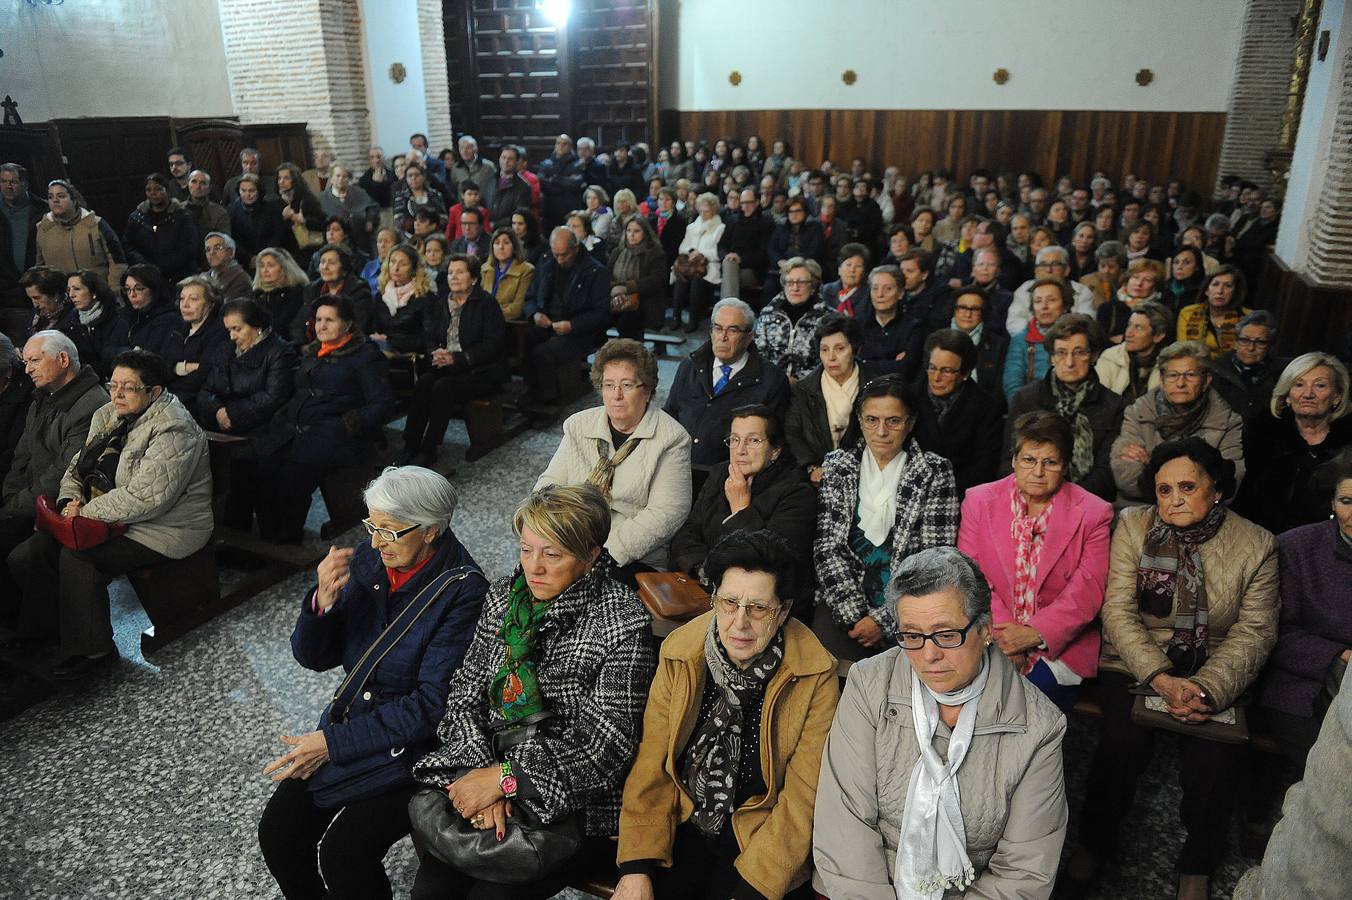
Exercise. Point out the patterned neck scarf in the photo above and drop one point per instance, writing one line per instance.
(603, 472)
(1173, 421)
(1069, 406)
(1169, 576)
(715, 749)
(514, 691)
(1028, 533)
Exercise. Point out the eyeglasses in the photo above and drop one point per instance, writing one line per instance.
(115, 387)
(797, 282)
(1079, 354)
(386, 534)
(947, 639)
(137, 289)
(892, 422)
(756, 612)
(732, 330)
(751, 442)
(946, 371)
(1032, 462)
(968, 309)
(1176, 377)
(623, 387)
(1253, 342)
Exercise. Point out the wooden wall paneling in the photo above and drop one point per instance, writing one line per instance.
(610, 63)
(1309, 317)
(108, 159)
(213, 146)
(283, 142)
(521, 97)
(37, 148)
(461, 71)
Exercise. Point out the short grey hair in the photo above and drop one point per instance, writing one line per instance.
(938, 569)
(250, 152)
(1258, 317)
(414, 495)
(1218, 222)
(1044, 256)
(585, 142)
(708, 199)
(205, 174)
(1194, 350)
(54, 342)
(741, 306)
(1111, 250)
(1100, 182)
(225, 239)
(467, 139)
(1160, 318)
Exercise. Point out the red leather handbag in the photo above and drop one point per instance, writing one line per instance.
(76, 532)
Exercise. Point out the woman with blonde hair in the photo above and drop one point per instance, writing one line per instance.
(279, 286)
(405, 292)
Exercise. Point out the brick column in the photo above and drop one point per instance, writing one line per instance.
(431, 34)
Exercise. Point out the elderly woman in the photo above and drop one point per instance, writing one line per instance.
(1130, 368)
(100, 333)
(956, 418)
(413, 592)
(821, 404)
(596, 202)
(1143, 279)
(466, 342)
(150, 317)
(882, 499)
(414, 194)
(386, 239)
(1215, 319)
(1183, 406)
(1111, 262)
(1043, 544)
(719, 801)
(350, 201)
(579, 222)
(785, 328)
(634, 452)
(546, 712)
(697, 272)
(1309, 405)
(203, 341)
(279, 287)
(1190, 613)
(336, 269)
(916, 799)
(848, 294)
(1028, 357)
(506, 276)
(405, 295)
(144, 465)
(638, 266)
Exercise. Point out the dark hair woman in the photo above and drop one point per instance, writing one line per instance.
(300, 210)
(100, 333)
(149, 316)
(161, 232)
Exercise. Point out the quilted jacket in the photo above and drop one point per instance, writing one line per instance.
(926, 488)
(163, 481)
(1221, 427)
(785, 344)
(594, 662)
(1240, 571)
(1011, 786)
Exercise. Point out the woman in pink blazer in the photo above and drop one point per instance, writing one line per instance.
(1042, 543)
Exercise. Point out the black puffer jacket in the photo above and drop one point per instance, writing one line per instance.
(406, 328)
(283, 305)
(251, 387)
(806, 427)
(968, 436)
(167, 239)
(152, 328)
(209, 347)
(354, 289)
(255, 228)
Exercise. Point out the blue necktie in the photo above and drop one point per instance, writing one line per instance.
(722, 382)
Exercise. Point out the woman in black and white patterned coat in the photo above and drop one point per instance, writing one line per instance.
(546, 710)
(880, 501)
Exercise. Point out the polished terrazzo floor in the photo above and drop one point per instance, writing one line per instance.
(147, 783)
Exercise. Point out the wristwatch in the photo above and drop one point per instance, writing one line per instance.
(507, 781)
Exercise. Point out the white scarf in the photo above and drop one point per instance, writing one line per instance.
(396, 298)
(932, 857)
(839, 403)
(878, 494)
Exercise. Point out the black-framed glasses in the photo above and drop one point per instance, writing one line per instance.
(946, 639)
(386, 534)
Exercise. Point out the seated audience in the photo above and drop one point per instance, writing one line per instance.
(1052, 263)
(1028, 357)
(339, 232)
(1142, 282)
(386, 238)
(202, 339)
(821, 403)
(650, 497)
(911, 807)
(785, 328)
(1103, 283)
(848, 294)
(744, 243)
(882, 499)
(359, 759)
(956, 418)
(1130, 368)
(569, 309)
(800, 236)
(52, 310)
(71, 237)
(1246, 376)
(505, 743)
(160, 232)
(1191, 612)
(1043, 544)
(466, 343)
(474, 234)
(279, 287)
(352, 204)
(1305, 425)
(222, 267)
(974, 315)
(1183, 406)
(336, 270)
(505, 275)
(1215, 319)
(255, 220)
(150, 316)
(668, 224)
(638, 266)
(891, 341)
(741, 693)
(332, 421)
(697, 272)
(405, 296)
(579, 222)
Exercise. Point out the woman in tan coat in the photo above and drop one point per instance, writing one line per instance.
(719, 801)
(506, 274)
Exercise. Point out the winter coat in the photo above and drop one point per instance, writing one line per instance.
(1021, 307)
(252, 386)
(88, 242)
(302, 328)
(483, 335)
(162, 486)
(927, 516)
(561, 183)
(153, 327)
(101, 340)
(691, 400)
(513, 287)
(883, 343)
(209, 347)
(506, 199)
(255, 228)
(1025, 363)
(786, 243)
(774, 831)
(1104, 410)
(1248, 393)
(1072, 567)
(406, 328)
(703, 235)
(208, 217)
(807, 430)
(586, 304)
(1114, 370)
(11, 295)
(283, 305)
(1221, 427)
(167, 239)
(670, 235)
(1194, 324)
(594, 660)
(784, 344)
(358, 207)
(749, 238)
(1011, 785)
(232, 281)
(1239, 568)
(1280, 491)
(15, 398)
(969, 436)
(54, 430)
(481, 172)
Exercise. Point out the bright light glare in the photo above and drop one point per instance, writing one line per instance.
(557, 11)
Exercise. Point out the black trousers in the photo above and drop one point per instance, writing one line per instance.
(284, 502)
(694, 294)
(310, 850)
(437, 396)
(29, 620)
(244, 495)
(1268, 778)
(546, 352)
(1210, 781)
(438, 881)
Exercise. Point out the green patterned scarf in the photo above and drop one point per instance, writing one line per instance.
(514, 690)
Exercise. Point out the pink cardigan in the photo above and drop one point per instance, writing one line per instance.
(1072, 570)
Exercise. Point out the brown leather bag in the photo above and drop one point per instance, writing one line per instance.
(623, 300)
(690, 266)
(672, 595)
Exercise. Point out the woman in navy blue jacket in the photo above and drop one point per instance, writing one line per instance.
(342, 800)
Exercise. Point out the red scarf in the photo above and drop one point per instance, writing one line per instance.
(398, 579)
(327, 347)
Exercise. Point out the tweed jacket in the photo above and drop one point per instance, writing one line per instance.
(785, 344)
(1221, 427)
(1240, 571)
(163, 481)
(774, 830)
(927, 516)
(650, 497)
(594, 662)
(1012, 788)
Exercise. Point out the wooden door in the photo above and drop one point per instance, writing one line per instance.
(614, 89)
(109, 158)
(213, 146)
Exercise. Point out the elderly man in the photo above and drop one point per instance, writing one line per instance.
(569, 309)
(64, 400)
(20, 212)
(473, 167)
(1037, 205)
(510, 190)
(1246, 376)
(250, 163)
(985, 273)
(223, 269)
(208, 215)
(723, 374)
(988, 235)
(746, 238)
(1052, 262)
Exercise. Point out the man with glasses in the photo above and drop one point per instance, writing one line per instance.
(224, 270)
(1246, 376)
(723, 374)
(180, 168)
(20, 213)
(746, 237)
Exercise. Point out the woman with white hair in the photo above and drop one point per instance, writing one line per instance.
(697, 272)
(913, 799)
(398, 614)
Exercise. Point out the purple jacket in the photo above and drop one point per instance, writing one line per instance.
(1316, 617)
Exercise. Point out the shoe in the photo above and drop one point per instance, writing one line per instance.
(74, 668)
(1194, 887)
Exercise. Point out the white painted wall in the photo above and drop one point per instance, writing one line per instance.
(114, 58)
(940, 54)
(1309, 162)
(397, 110)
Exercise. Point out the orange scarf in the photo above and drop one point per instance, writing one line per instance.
(327, 347)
